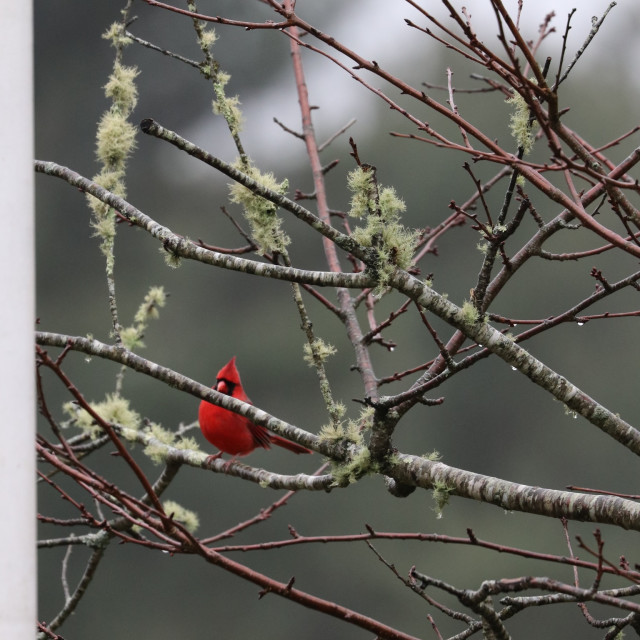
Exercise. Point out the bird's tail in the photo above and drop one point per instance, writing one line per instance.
(287, 444)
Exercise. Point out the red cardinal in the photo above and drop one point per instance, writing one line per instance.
(231, 432)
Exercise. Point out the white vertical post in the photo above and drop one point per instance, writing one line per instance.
(17, 321)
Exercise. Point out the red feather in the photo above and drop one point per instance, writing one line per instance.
(231, 432)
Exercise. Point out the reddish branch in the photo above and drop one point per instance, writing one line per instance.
(347, 311)
(508, 71)
(470, 540)
(122, 450)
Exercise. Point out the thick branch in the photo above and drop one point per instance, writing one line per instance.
(513, 354)
(182, 383)
(518, 497)
(184, 248)
(408, 469)
(345, 242)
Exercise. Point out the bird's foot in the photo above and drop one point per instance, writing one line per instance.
(210, 459)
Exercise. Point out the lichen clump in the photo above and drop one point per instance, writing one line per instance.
(261, 213)
(520, 123)
(131, 336)
(319, 350)
(380, 208)
(115, 141)
(227, 107)
(114, 409)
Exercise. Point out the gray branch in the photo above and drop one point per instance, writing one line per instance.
(506, 349)
(407, 469)
(184, 248)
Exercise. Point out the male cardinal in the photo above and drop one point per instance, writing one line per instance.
(231, 432)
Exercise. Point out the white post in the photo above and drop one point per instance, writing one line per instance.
(17, 321)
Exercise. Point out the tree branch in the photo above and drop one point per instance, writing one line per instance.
(184, 248)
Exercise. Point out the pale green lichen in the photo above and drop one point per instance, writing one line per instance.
(259, 212)
(340, 409)
(360, 183)
(434, 456)
(354, 469)
(163, 438)
(115, 142)
(383, 232)
(470, 314)
(121, 88)
(171, 259)
(113, 409)
(161, 434)
(360, 463)
(350, 432)
(318, 350)
(337, 411)
(519, 123)
(149, 310)
(116, 138)
(132, 338)
(187, 518)
(112, 180)
(364, 421)
(336, 432)
(393, 459)
(441, 494)
(208, 37)
(187, 444)
(155, 299)
(116, 33)
(489, 233)
(227, 107)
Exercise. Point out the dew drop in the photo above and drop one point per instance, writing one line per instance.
(514, 368)
(581, 324)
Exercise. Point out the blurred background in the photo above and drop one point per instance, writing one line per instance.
(493, 421)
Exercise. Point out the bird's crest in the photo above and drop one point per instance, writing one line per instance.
(229, 372)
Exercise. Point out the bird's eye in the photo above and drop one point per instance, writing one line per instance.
(224, 386)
